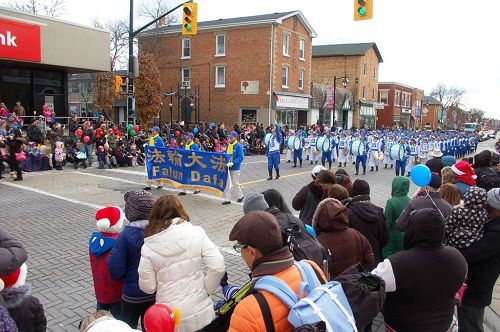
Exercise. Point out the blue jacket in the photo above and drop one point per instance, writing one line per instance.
(237, 158)
(123, 261)
(159, 142)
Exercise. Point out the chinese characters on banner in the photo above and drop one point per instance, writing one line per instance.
(197, 169)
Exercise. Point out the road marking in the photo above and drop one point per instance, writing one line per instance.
(281, 177)
(259, 162)
(38, 191)
(126, 171)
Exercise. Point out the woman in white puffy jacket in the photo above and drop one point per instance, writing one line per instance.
(171, 264)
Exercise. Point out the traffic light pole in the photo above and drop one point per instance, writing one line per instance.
(131, 36)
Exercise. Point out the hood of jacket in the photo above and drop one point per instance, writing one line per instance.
(400, 186)
(425, 229)
(99, 244)
(361, 208)
(316, 189)
(330, 216)
(475, 198)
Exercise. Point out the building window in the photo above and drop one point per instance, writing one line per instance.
(373, 93)
(397, 97)
(284, 77)
(186, 48)
(363, 92)
(220, 76)
(365, 66)
(406, 100)
(301, 78)
(302, 49)
(374, 73)
(384, 97)
(220, 48)
(186, 77)
(286, 43)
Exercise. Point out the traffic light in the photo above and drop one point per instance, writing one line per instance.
(363, 10)
(189, 19)
(120, 84)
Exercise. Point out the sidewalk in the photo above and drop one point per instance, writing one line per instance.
(492, 313)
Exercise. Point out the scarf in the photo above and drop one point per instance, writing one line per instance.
(230, 147)
(465, 178)
(188, 145)
(14, 296)
(152, 140)
(273, 263)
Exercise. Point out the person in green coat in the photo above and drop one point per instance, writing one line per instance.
(393, 209)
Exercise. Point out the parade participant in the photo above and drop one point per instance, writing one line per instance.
(273, 152)
(401, 164)
(412, 155)
(313, 151)
(376, 147)
(297, 153)
(289, 152)
(326, 155)
(334, 142)
(192, 146)
(343, 149)
(387, 151)
(423, 151)
(431, 146)
(155, 140)
(236, 156)
(362, 158)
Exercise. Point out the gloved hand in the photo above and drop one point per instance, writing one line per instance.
(230, 164)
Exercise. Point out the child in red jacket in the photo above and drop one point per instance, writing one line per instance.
(108, 292)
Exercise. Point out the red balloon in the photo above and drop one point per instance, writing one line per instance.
(79, 132)
(159, 318)
(177, 133)
(136, 128)
(86, 139)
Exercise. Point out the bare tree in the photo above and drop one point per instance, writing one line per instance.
(152, 9)
(475, 115)
(50, 8)
(448, 96)
(118, 30)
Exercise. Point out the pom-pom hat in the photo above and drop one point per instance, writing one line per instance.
(109, 219)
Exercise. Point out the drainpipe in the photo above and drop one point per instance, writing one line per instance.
(271, 73)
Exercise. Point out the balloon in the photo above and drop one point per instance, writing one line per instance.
(159, 318)
(79, 133)
(130, 127)
(86, 139)
(195, 130)
(421, 175)
(132, 133)
(177, 133)
(136, 128)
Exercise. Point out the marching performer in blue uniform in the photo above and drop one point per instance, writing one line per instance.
(327, 155)
(412, 155)
(387, 151)
(273, 152)
(376, 147)
(313, 151)
(362, 158)
(297, 153)
(401, 164)
(343, 149)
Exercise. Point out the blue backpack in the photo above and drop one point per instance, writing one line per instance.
(314, 305)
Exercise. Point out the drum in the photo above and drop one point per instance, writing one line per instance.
(323, 144)
(294, 143)
(358, 148)
(397, 152)
(267, 138)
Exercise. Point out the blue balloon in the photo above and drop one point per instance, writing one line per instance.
(195, 130)
(421, 175)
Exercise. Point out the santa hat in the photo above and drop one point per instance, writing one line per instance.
(464, 168)
(109, 219)
(14, 279)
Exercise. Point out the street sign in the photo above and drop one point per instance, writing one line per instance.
(378, 106)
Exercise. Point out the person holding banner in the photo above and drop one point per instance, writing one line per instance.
(192, 146)
(155, 140)
(273, 152)
(236, 156)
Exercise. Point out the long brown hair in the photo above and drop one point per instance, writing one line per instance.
(166, 208)
(450, 193)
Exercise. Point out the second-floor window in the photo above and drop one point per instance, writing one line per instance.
(406, 100)
(397, 97)
(284, 77)
(365, 67)
(301, 78)
(286, 43)
(374, 73)
(302, 49)
(220, 41)
(220, 76)
(186, 77)
(384, 97)
(363, 93)
(186, 48)
(373, 93)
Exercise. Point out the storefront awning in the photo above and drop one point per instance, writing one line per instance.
(291, 101)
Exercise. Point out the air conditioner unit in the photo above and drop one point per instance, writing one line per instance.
(186, 84)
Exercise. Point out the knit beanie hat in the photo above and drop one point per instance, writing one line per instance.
(254, 202)
(435, 181)
(494, 198)
(138, 205)
(360, 187)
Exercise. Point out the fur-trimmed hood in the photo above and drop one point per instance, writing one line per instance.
(14, 296)
(330, 216)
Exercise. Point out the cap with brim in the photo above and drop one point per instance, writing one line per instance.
(315, 171)
(258, 229)
(437, 153)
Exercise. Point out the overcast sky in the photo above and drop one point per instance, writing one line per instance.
(422, 42)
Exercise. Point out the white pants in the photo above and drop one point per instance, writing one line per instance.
(235, 180)
(388, 160)
(334, 154)
(343, 158)
(289, 155)
(313, 154)
(410, 163)
(372, 161)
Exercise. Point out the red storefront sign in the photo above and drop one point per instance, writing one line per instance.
(19, 41)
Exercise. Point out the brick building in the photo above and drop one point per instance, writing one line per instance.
(417, 100)
(397, 100)
(359, 63)
(247, 69)
(432, 113)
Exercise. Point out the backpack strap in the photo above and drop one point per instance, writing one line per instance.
(278, 288)
(266, 312)
(308, 274)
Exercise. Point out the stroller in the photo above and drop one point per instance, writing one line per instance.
(74, 154)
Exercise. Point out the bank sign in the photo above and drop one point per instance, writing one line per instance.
(19, 41)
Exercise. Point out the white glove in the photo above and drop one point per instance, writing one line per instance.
(230, 164)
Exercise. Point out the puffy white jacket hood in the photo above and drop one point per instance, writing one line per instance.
(171, 265)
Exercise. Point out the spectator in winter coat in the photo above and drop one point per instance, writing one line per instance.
(73, 127)
(34, 132)
(15, 144)
(421, 281)
(108, 292)
(393, 209)
(7, 324)
(487, 177)
(172, 260)
(342, 178)
(12, 254)
(465, 176)
(123, 261)
(447, 175)
(431, 199)
(367, 218)
(307, 199)
(483, 258)
(347, 246)
(436, 163)
(451, 194)
(25, 309)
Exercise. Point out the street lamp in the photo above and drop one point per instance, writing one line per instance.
(170, 106)
(345, 82)
(161, 108)
(192, 108)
